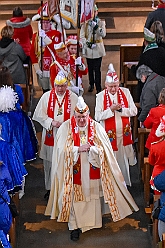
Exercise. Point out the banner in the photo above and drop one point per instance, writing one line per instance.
(53, 7)
(86, 10)
(69, 10)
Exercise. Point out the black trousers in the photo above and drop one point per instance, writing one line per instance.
(94, 72)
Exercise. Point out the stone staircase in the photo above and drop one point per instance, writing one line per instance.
(125, 19)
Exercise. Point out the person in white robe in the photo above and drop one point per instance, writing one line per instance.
(114, 107)
(86, 179)
(53, 108)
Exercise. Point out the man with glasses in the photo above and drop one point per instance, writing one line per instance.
(54, 107)
(114, 107)
(86, 179)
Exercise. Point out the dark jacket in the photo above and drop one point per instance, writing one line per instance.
(159, 182)
(157, 15)
(150, 94)
(154, 59)
(12, 56)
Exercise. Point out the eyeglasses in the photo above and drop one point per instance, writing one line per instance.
(60, 86)
(78, 117)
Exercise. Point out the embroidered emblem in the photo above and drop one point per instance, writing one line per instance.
(49, 133)
(111, 135)
(127, 130)
(76, 168)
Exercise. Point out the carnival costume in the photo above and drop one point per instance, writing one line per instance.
(52, 107)
(17, 127)
(69, 70)
(80, 181)
(48, 39)
(117, 124)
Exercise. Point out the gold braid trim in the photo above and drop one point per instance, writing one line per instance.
(68, 182)
(78, 194)
(36, 47)
(106, 180)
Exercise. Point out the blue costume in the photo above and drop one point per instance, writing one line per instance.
(159, 182)
(12, 161)
(5, 214)
(18, 90)
(17, 128)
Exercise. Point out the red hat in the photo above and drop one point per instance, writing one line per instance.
(72, 40)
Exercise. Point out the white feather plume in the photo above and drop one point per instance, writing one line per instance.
(8, 99)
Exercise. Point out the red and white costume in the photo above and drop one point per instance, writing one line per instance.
(69, 69)
(117, 126)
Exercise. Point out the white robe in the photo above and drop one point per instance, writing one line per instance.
(125, 155)
(87, 213)
(40, 115)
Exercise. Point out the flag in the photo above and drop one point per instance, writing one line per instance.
(86, 10)
(69, 10)
(53, 7)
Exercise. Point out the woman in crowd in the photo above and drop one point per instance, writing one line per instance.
(153, 84)
(12, 55)
(153, 119)
(157, 29)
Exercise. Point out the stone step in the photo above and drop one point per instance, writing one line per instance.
(124, 20)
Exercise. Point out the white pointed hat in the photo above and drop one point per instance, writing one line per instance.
(81, 106)
(111, 76)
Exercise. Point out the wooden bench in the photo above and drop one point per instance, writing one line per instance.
(128, 53)
(142, 136)
(13, 229)
(146, 180)
(26, 88)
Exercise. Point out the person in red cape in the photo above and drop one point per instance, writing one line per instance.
(48, 36)
(157, 154)
(153, 119)
(54, 107)
(114, 107)
(23, 31)
(86, 179)
(67, 63)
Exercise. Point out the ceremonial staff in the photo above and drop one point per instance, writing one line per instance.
(41, 37)
(78, 36)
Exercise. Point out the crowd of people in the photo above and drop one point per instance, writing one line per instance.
(86, 162)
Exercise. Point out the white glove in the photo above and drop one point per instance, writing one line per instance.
(75, 89)
(93, 46)
(42, 33)
(57, 18)
(78, 61)
(39, 73)
(92, 24)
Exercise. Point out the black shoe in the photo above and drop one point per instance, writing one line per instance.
(75, 234)
(98, 90)
(91, 88)
(46, 196)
